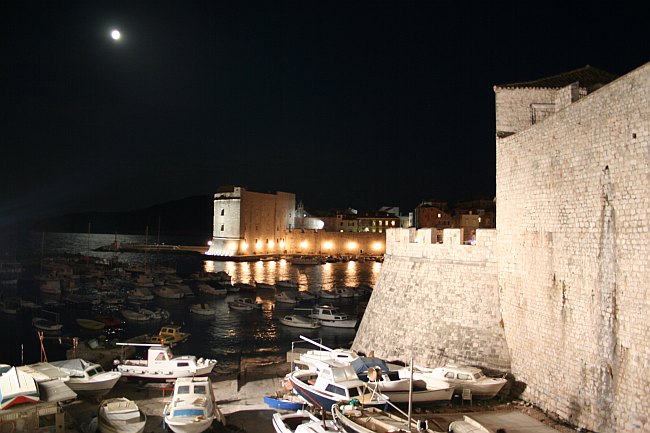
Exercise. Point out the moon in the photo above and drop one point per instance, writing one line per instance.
(115, 34)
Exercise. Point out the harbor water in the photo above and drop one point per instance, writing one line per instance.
(229, 337)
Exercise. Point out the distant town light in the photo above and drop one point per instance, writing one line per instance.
(271, 244)
(282, 244)
(304, 244)
(244, 246)
(210, 243)
(352, 245)
(258, 244)
(327, 245)
(377, 246)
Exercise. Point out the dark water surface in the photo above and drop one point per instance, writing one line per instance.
(228, 337)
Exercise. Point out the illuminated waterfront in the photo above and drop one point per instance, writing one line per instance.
(228, 336)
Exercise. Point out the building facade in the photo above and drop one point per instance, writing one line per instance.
(247, 222)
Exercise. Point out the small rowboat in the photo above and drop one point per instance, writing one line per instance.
(90, 324)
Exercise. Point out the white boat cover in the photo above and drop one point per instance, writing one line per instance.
(44, 371)
(74, 367)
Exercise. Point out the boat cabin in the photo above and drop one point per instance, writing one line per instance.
(338, 378)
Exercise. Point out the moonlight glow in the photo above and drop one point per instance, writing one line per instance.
(115, 34)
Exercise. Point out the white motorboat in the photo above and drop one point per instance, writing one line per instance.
(202, 309)
(192, 408)
(244, 304)
(211, 290)
(461, 377)
(399, 389)
(139, 315)
(161, 364)
(285, 298)
(298, 321)
(87, 378)
(140, 294)
(333, 382)
(120, 415)
(305, 295)
(16, 387)
(329, 315)
(169, 292)
(301, 421)
(328, 294)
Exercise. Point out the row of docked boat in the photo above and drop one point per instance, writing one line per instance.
(362, 394)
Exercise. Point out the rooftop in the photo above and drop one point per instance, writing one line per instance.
(588, 76)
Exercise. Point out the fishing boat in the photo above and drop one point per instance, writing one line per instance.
(120, 415)
(260, 285)
(169, 335)
(192, 408)
(87, 378)
(301, 421)
(161, 364)
(298, 321)
(333, 382)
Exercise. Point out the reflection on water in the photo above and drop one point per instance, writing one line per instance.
(229, 336)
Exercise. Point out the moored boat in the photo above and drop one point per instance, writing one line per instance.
(301, 421)
(202, 309)
(88, 378)
(161, 364)
(462, 377)
(330, 316)
(192, 408)
(353, 419)
(298, 321)
(285, 298)
(92, 325)
(169, 335)
(332, 383)
(244, 304)
(120, 415)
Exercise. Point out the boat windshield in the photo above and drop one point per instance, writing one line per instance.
(185, 389)
(478, 375)
(188, 412)
(95, 371)
(342, 374)
(199, 389)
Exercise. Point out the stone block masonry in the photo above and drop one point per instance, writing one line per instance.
(573, 195)
(438, 303)
(559, 294)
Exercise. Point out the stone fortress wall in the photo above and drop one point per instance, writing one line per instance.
(436, 302)
(566, 273)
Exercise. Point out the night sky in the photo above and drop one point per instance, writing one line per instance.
(346, 104)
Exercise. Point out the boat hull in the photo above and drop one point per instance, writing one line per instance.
(95, 388)
(188, 424)
(283, 404)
